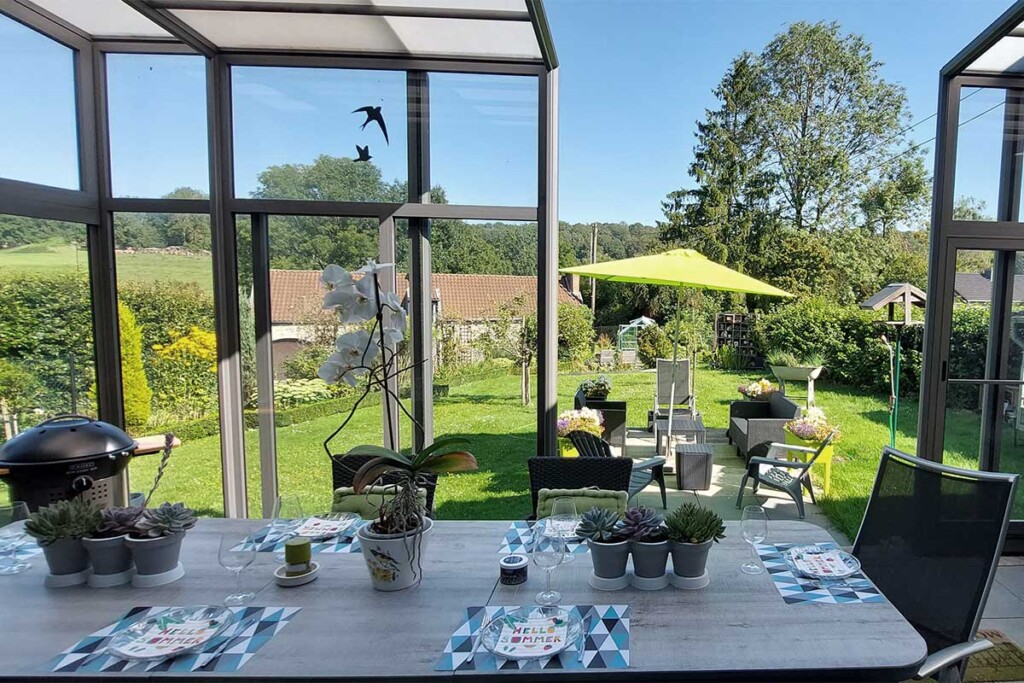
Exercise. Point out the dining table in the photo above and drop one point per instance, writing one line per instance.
(738, 628)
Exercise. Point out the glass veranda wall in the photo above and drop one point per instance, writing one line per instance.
(988, 379)
(166, 31)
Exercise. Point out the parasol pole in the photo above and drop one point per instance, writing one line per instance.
(675, 355)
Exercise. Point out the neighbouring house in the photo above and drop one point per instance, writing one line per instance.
(976, 288)
(463, 305)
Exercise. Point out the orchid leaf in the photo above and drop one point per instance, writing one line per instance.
(371, 472)
(456, 461)
(440, 445)
(381, 452)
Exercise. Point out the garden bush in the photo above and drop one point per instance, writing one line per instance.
(137, 394)
(651, 344)
(575, 334)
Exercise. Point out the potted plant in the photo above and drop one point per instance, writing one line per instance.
(582, 420)
(789, 367)
(155, 542)
(646, 531)
(393, 543)
(692, 529)
(596, 389)
(107, 547)
(761, 390)
(809, 431)
(59, 528)
(609, 547)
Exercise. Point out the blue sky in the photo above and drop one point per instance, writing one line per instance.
(636, 75)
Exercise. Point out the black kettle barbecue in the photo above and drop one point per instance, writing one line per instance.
(65, 457)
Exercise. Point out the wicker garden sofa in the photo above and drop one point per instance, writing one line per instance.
(754, 425)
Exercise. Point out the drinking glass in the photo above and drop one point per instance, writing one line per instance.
(548, 552)
(287, 518)
(754, 526)
(12, 533)
(563, 521)
(236, 561)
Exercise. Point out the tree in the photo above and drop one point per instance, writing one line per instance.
(728, 217)
(513, 334)
(897, 198)
(137, 394)
(18, 389)
(832, 124)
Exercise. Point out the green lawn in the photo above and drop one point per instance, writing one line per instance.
(502, 433)
(53, 259)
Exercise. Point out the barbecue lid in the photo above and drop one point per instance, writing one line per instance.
(64, 438)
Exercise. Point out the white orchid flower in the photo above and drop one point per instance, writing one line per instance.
(394, 332)
(357, 348)
(337, 367)
(334, 275)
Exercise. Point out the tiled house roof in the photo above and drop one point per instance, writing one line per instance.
(976, 288)
(295, 294)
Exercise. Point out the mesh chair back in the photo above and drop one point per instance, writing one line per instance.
(552, 472)
(344, 468)
(590, 446)
(931, 540)
(682, 379)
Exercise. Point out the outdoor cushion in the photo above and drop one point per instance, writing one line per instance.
(585, 499)
(367, 503)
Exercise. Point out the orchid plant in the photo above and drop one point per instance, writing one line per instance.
(369, 353)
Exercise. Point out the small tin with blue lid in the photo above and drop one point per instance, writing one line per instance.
(513, 569)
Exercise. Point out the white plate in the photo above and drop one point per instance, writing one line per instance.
(839, 565)
(549, 618)
(170, 633)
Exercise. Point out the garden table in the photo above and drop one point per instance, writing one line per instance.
(738, 628)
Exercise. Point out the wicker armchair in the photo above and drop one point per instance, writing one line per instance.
(553, 472)
(344, 468)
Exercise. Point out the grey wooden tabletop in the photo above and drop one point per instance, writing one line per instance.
(738, 628)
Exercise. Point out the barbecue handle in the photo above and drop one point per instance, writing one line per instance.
(69, 416)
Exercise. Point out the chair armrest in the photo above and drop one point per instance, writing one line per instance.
(650, 463)
(951, 655)
(793, 447)
(785, 464)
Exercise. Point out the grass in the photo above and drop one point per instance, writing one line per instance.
(59, 259)
(502, 435)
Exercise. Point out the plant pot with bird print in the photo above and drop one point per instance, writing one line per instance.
(395, 560)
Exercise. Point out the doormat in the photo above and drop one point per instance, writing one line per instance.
(1004, 662)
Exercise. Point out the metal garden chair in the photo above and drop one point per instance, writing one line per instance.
(930, 541)
(778, 477)
(643, 474)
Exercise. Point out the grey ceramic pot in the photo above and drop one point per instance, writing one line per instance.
(108, 555)
(609, 558)
(650, 559)
(66, 556)
(690, 559)
(155, 555)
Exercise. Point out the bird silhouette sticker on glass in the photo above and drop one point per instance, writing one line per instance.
(373, 114)
(364, 153)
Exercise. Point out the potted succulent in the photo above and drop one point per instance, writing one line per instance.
(581, 420)
(692, 529)
(155, 540)
(393, 544)
(107, 547)
(59, 528)
(646, 531)
(609, 547)
(596, 389)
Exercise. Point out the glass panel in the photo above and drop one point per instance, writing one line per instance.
(485, 381)
(499, 115)
(46, 332)
(979, 154)
(298, 136)
(157, 107)
(303, 335)
(168, 352)
(38, 132)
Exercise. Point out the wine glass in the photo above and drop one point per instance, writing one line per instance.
(12, 533)
(548, 552)
(236, 561)
(287, 518)
(563, 521)
(754, 527)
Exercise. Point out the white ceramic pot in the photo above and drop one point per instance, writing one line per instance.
(394, 560)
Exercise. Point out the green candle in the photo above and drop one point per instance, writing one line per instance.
(297, 554)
